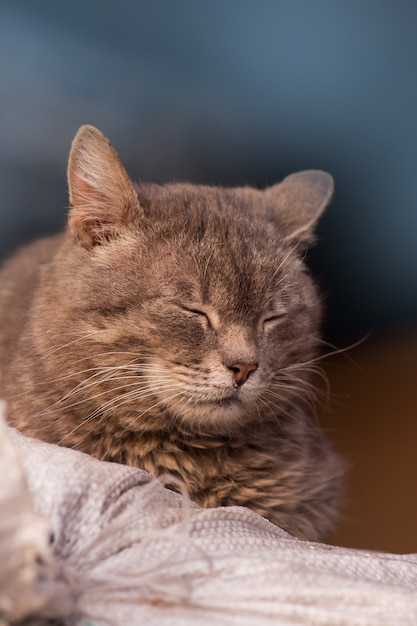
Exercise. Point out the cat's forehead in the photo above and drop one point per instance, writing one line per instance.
(178, 202)
(208, 246)
(206, 216)
(214, 220)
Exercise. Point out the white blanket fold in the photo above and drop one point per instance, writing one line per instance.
(100, 543)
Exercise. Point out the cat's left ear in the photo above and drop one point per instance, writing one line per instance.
(296, 203)
(102, 197)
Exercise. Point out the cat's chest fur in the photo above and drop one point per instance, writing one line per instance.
(175, 328)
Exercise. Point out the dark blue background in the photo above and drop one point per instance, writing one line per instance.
(229, 92)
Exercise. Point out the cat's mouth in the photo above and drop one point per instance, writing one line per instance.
(203, 410)
(229, 401)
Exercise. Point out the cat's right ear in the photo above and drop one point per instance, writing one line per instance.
(102, 196)
(297, 203)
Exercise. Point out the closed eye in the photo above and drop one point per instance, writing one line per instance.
(197, 313)
(273, 319)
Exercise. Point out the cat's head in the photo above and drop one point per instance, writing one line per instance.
(196, 296)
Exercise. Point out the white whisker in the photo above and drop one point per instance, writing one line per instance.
(284, 260)
(157, 404)
(66, 345)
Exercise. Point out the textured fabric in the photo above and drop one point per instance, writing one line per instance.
(126, 551)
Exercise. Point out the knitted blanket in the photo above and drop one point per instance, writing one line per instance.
(93, 543)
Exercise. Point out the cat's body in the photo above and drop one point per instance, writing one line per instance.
(175, 328)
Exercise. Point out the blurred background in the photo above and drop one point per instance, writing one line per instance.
(245, 92)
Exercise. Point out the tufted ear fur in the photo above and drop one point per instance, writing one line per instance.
(296, 203)
(102, 197)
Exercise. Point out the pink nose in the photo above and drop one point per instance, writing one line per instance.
(242, 371)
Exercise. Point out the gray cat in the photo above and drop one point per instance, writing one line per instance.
(175, 328)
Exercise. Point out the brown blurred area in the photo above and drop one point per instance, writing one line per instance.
(372, 420)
